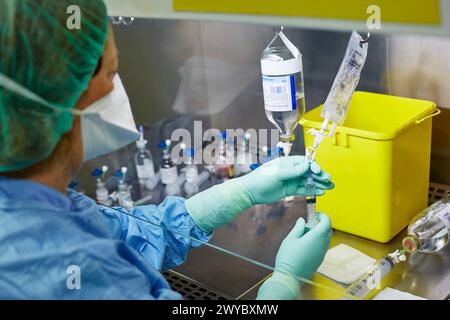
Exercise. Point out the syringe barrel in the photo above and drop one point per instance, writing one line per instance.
(311, 201)
(371, 279)
(311, 213)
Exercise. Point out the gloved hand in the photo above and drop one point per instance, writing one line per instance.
(300, 255)
(284, 177)
(269, 183)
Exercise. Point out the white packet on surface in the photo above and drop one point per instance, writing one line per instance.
(393, 294)
(345, 264)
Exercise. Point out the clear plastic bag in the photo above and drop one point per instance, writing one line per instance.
(336, 106)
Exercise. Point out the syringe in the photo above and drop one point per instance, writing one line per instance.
(372, 278)
(310, 187)
(311, 201)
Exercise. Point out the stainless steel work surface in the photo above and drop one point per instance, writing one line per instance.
(257, 234)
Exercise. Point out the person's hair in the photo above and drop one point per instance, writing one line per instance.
(40, 52)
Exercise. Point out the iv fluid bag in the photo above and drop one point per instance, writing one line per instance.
(429, 231)
(336, 106)
(283, 85)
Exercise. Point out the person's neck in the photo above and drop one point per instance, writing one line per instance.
(56, 179)
(54, 172)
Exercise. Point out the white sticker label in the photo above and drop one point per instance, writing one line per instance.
(169, 175)
(444, 215)
(102, 195)
(279, 93)
(146, 170)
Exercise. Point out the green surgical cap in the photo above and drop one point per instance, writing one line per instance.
(42, 49)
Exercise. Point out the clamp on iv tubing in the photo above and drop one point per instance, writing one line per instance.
(365, 40)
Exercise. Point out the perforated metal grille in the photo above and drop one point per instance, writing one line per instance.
(437, 192)
(191, 289)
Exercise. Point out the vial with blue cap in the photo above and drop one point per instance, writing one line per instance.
(190, 187)
(169, 171)
(223, 167)
(101, 192)
(144, 163)
(124, 190)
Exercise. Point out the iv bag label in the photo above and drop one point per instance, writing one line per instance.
(445, 217)
(169, 175)
(279, 93)
(146, 170)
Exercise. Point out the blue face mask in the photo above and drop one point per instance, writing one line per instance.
(107, 125)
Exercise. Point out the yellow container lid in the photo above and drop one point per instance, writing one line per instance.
(377, 116)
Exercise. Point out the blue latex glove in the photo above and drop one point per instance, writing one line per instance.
(269, 183)
(300, 255)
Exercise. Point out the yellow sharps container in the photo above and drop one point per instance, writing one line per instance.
(380, 163)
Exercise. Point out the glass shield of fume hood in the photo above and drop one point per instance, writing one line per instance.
(223, 271)
(237, 259)
(206, 75)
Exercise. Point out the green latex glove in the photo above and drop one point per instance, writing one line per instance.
(299, 256)
(269, 183)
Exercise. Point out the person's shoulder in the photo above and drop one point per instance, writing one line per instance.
(78, 197)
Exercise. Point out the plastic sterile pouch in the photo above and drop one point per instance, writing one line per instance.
(336, 106)
(345, 264)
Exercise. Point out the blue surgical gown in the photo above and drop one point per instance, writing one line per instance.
(57, 246)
